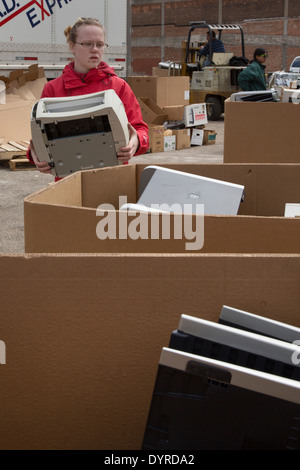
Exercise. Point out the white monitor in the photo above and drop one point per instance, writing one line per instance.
(292, 209)
(290, 95)
(79, 133)
(176, 191)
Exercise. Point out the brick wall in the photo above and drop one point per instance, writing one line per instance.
(157, 34)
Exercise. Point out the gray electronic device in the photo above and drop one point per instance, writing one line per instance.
(292, 209)
(290, 95)
(240, 340)
(176, 191)
(79, 133)
(261, 95)
(258, 324)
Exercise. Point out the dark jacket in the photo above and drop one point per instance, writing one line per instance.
(216, 46)
(252, 78)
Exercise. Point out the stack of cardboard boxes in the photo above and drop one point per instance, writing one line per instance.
(173, 123)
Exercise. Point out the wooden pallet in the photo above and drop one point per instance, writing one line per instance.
(12, 149)
(21, 163)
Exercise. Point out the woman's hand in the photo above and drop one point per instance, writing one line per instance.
(43, 167)
(126, 153)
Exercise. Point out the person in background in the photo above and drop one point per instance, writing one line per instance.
(216, 46)
(89, 74)
(253, 77)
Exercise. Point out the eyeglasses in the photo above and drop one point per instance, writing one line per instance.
(263, 55)
(91, 45)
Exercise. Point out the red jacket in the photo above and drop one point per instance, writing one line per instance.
(99, 79)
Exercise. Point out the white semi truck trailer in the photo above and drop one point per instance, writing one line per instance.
(32, 32)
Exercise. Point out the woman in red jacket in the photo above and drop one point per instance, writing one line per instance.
(89, 74)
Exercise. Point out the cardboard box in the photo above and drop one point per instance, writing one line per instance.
(156, 138)
(209, 137)
(15, 117)
(152, 114)
(82, 349)
(164, 91)
(169, 143)
(261, 132)
(63, 217)
(157, 71)
(195, 115)
(15, 113)
(183, 138)
(174, 113)
(197, 136)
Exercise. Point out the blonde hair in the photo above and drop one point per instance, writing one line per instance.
(71, 31)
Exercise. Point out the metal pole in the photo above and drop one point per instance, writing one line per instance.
(220, 13)
(128, 39)
(162, 53)
(285, 33)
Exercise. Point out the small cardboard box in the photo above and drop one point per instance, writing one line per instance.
(158, 72)
(183, 138)
(156, 138)
(151, 112)
(195, 115)
(197, 136)
(169, 142)
(164, 91)
(261, 132)
(82, 352)
(209, 137)
(63, 218)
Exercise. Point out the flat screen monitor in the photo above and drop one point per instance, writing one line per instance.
(199, 403)
(258, 324)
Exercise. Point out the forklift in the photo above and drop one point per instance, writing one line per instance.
(215, 82)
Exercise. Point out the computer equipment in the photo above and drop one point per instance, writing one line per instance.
(290, 95)
(199, 403)
(257, 324)
(263, 95)
(228, 344)
(176, 191)
(134, 207)
(292, 209)
(79, 133)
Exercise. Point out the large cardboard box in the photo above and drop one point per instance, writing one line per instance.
(174, 113)
(151, 112)
(84, 335)
(261, 132)
(164, 91)
(63, 217)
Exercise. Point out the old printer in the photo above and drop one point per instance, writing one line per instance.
(79, 133)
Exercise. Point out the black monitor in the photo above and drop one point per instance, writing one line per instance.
(199, 403)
